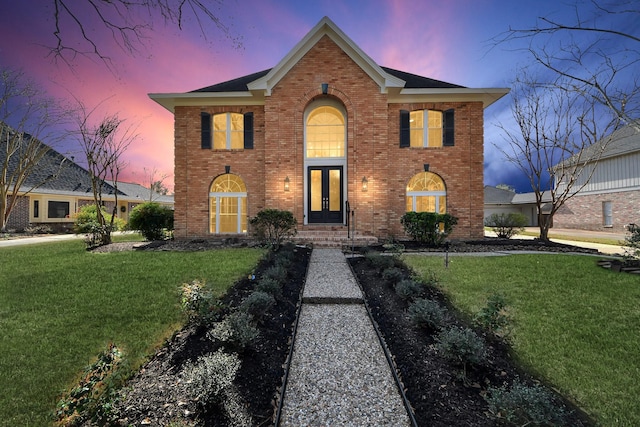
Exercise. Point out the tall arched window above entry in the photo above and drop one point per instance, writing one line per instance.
(325, 133)
(228, 205)
(426, 192)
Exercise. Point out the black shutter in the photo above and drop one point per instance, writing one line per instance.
(447, 135)
(248, 131)
(205, 127)
(405, 131)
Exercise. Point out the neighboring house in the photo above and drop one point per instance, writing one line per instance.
(611, 199)
(331, 136)
(497, 200)
(56, 201)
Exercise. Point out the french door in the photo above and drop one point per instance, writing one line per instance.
(325, 194)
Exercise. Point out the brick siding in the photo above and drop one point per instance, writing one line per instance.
(372, 151)
(586, 211)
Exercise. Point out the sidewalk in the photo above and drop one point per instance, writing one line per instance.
(339, 375)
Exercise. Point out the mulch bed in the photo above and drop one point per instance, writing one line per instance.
(435, 388)
(436, 392)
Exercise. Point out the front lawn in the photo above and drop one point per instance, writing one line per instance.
(575, 324)
(60, 306)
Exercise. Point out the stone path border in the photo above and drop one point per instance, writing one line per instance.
(339, 374)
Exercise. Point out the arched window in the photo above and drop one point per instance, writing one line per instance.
(325, 133)
(228, 205)
(426, 192)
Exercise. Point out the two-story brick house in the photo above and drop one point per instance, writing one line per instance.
(328, 134)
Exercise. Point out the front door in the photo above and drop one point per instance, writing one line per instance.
(325, 194)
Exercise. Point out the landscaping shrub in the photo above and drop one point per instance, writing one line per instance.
(273, 226)
(237, 330)
(393, 274)
(276, 272)
(82, 401)
(409, 289)
(257, 304)
(200, 304)
(632, 241)
(427, 314)
(461, 346)
(210, 375)
(428, 227)
(379, 261)
(494, 315)
(153, 220)
(506, 225)
(270, 286)
(525, 405)
(86, 222)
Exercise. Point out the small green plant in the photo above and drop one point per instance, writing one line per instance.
(237, 330)
(632, 241)
(408, 289)
(211, 375)
(393, 274)
(506, 225)
(86, 222)
(273, 226)
(257, 304)
(523, 405)
(82, 401)
(153, 220)
(270, 286)
(461, 346)
(379, 261)
(200, 304)
(427, 314)
(428, 227)
(276, 272)
(494, 316)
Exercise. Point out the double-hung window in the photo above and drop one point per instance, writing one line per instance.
(227, 131)
(426, 128)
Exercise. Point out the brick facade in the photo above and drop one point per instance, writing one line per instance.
(586, 211)
(372, 150)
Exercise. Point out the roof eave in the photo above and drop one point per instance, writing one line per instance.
(171, 100)
(487, 96)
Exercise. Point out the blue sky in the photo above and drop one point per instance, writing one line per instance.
(446, 40)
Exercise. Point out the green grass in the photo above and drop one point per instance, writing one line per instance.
(60, 306)
(576, 324)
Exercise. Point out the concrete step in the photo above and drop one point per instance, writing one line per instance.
(332, 238)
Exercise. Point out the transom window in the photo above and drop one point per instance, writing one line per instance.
(228, 131)
(426, 128)
(325, 133)
(228, 205)
(426, 193)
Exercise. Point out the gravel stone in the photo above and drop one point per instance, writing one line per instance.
(339, 375)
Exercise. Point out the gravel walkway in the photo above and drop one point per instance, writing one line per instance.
(339, 375)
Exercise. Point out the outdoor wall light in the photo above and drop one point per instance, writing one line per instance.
(325, 88)
(426, 167)
(286, 183)
(365, 184)
(227, 169)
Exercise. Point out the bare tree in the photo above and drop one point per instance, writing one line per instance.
(25, 117)
(597, 54)
(127, 22)
(559, 136)
(155, 182)
(103, 145)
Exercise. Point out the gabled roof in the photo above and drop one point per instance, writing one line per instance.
(625, 140)
(54, 172)
(400, 86)
(497, 196)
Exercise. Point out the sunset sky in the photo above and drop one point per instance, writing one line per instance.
(446, 40)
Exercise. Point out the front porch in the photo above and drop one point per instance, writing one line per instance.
(332, 237)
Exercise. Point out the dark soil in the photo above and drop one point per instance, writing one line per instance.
(438, 391)
(156, 395)
(440, 397)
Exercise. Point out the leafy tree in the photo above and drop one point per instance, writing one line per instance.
(25, 117)
(151, 220)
